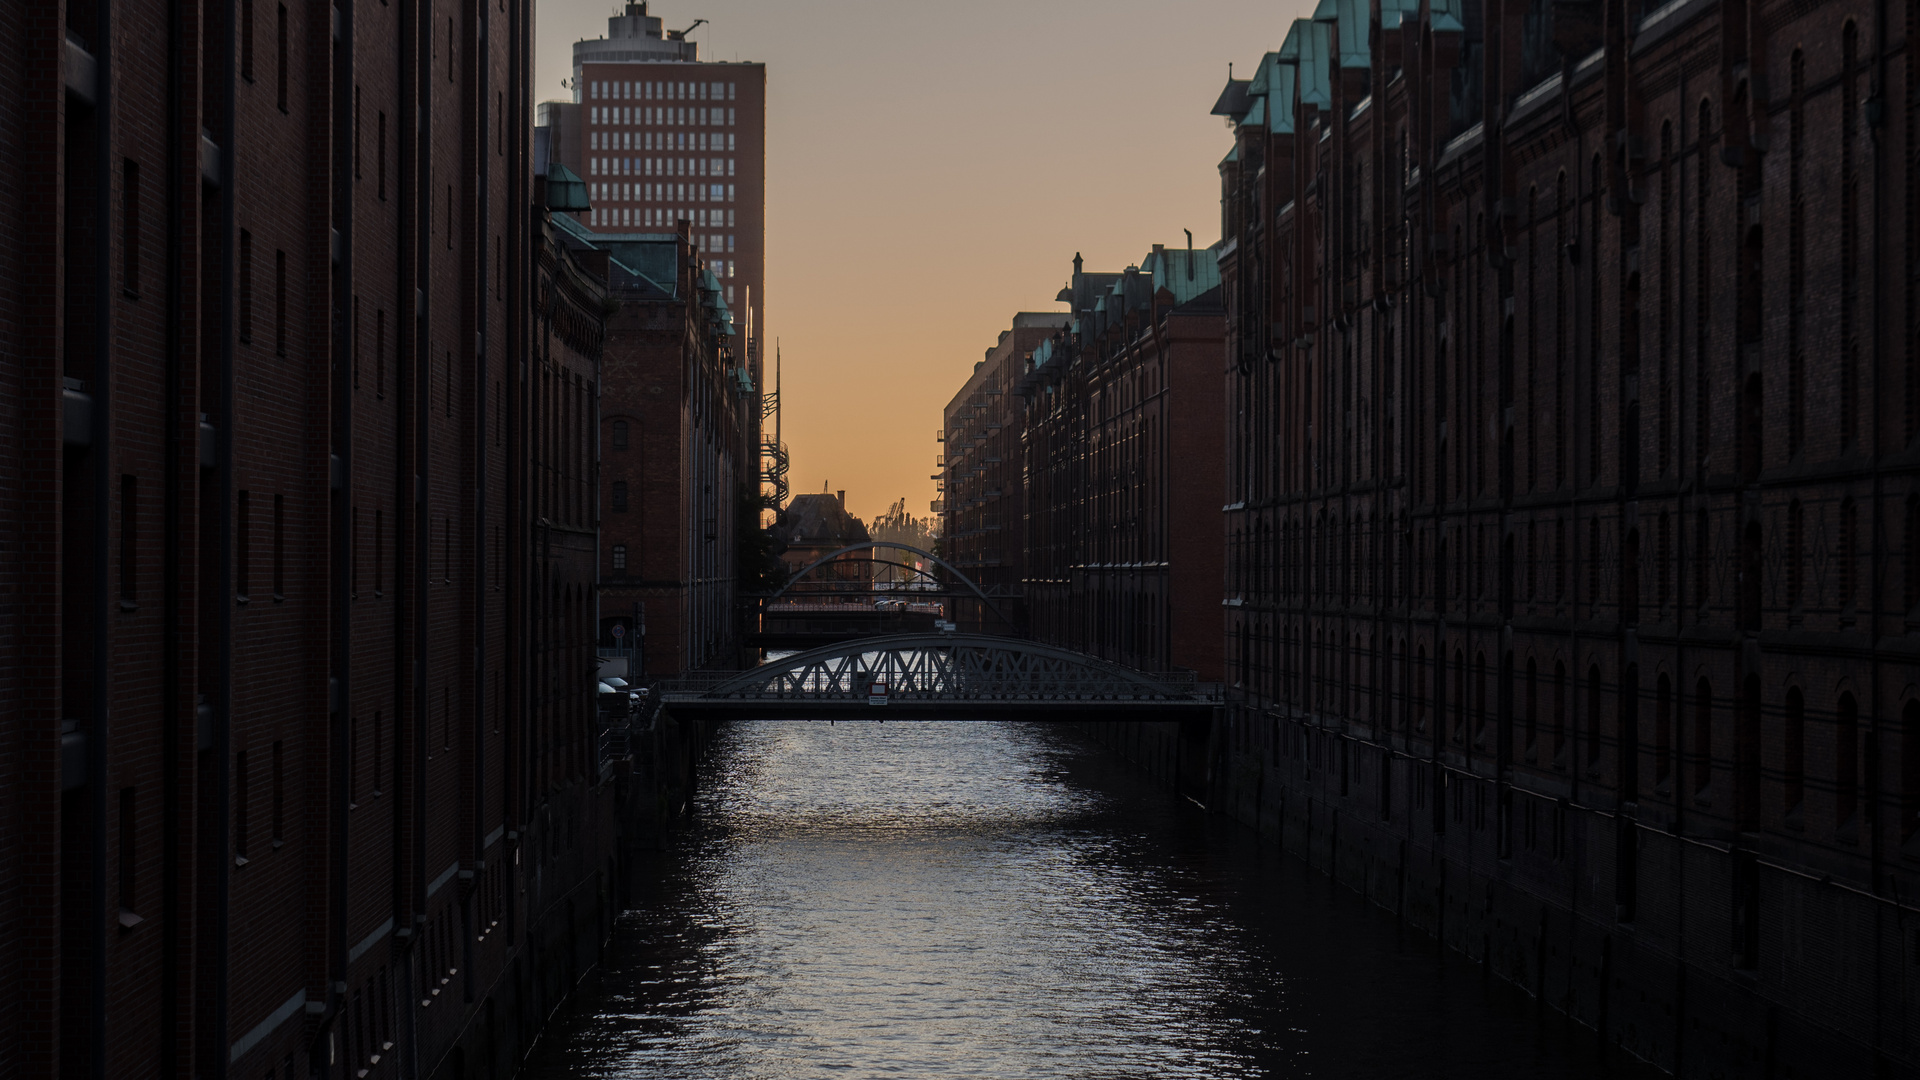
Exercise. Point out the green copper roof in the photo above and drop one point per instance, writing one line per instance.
(1445, 15)
(1285, 74)
(1187, 273)
(1355, 18)
(1315, 45)
(1257, 116)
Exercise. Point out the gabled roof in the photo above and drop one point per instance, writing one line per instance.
(1233, 99)
(1186, 272)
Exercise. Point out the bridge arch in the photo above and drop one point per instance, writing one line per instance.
(945, 669)
(872, 545)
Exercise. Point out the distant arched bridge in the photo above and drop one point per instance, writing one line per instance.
(929, 676)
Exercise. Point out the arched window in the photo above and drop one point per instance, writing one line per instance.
(1702, 737)
(1662, 730)
(619, 435)
(1559, 715)
(1909, 769)
(1746, 756)
(1794, 756)
(1846, 760)
(1533, 709)
(1796, 554)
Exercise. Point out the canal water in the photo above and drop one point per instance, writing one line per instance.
(1008, 901)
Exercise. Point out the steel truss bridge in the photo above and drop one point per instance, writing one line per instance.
(941, 676)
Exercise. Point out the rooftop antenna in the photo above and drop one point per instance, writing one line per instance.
(1189, 233)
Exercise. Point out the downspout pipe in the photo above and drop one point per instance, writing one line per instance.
(170, 699)
(220, 681)
(340, 498)
(100, 463)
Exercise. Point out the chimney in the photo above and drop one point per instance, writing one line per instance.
(843, 500)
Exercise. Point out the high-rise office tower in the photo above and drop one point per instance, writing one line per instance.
(661, 136)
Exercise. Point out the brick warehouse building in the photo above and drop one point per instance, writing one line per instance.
(980, 477)
(1573, 518)
(298, 777)
(1121, 434)
(678, 467)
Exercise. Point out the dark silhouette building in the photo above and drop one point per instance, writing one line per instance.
(980, 505)
(299, 772)
(1573, 526)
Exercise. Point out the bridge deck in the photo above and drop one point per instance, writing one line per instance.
(929, 675)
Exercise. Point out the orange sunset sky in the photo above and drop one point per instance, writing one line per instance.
(932, 169)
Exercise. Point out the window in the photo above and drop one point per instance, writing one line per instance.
(246, 40)
(379, 553)
(129, 541)
(279, 549)
(1794, 757)
(128, 863)
(1662, 730)
(356, 133)
(246, 286)
(240, 547)
(280, 303)
(381, 152)
(282, 95)
(619, 435)
(279, 795)
(619, 496)
(240, 808)
(619, 558)
(130, 227)
(1702, 737)
(1846, 760)
(380, 353)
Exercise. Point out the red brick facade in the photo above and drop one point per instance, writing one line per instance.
(1572, 390)
(1121, 436)
(678, 425)
(981, 524)
(296, 505)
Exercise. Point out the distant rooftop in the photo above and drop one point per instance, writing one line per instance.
(634, 36)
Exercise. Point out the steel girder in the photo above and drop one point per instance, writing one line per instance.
(943, 668)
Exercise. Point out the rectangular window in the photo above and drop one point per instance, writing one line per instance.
(379, 750)
(240, 808)
(279, 303)
(380, 353)
(356, 343)
(246, 286)
(379, 552)
(380, 149)
(129, 541)
(353, 555)
(128, 863)
(246, 40)
(240, 552)
(619, 558)
(279, 548)
(283, 58)
(279, 795)
(130, 227)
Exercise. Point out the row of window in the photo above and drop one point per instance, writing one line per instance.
(702, 217)
(663, 91)
(660, 140)
(668, 167)
(664, 117)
